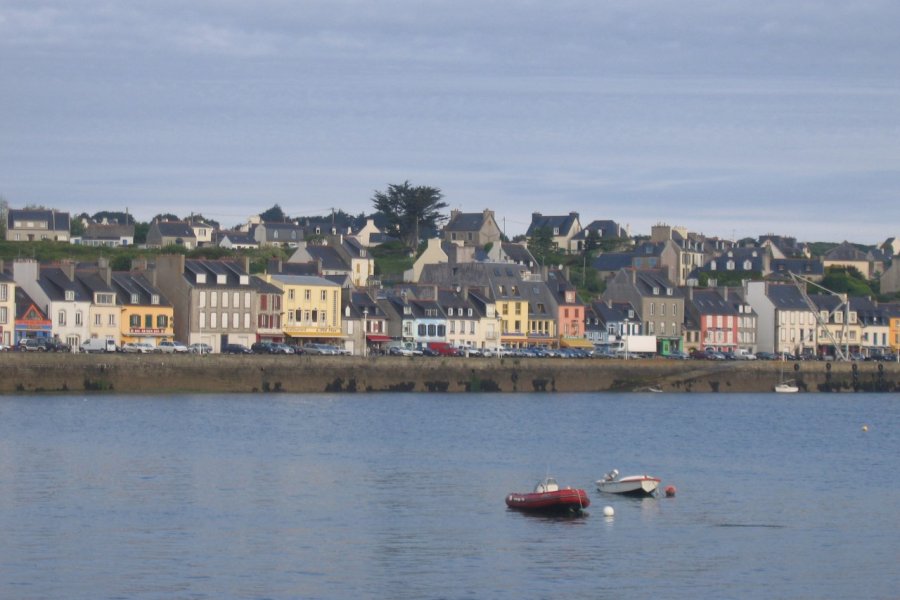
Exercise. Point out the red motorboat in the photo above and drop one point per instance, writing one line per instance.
(548, 497)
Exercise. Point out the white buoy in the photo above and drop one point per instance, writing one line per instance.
(865, 427)
(608, 511)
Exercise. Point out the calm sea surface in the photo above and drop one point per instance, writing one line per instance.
(402, 496)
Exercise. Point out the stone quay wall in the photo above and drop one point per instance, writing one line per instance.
(22, 373)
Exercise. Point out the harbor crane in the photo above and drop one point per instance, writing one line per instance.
(842, 355)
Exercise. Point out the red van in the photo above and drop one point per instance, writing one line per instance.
(443, 349)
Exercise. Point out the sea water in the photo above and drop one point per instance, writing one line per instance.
(402, 496)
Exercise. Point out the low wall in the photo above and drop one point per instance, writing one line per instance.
(155, 373)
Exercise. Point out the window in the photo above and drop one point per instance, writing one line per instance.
(104, 298)
(324, 295)
(202, 300)
(98, 319)
(134, 321)
(236, 300)
(213, 320)
(224, 299)
(162, 321)
(472, 327)
(246, 300)
(154, 299)
(79, 318)
(450, 314)
(307, 294)
(246, 320)
(3, 315)
(214, 299)
(224, 320)
(236, 320)
(112, 321)
(263, 302)
(422, 330)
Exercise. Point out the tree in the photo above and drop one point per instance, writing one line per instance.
(4, 210)
(113, 217)
(591, 241)
(541, 244)
(410, 210)
(165, 217)
(273, 215)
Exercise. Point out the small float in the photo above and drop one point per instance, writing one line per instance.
(549, 497)
(632, 485)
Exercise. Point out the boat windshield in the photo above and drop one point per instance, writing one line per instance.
(547, 485)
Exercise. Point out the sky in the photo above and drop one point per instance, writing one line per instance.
(730, 118)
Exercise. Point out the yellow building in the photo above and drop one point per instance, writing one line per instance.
(145, 315)
(311, 307)
(894, 337)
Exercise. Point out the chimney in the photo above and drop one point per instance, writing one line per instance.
(609, 303)
(68, 268)
(105, 269)
(634, 276)
(246, 265)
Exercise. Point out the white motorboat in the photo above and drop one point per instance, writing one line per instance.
(632, 485)
(787, 387)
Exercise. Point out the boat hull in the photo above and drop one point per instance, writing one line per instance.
(567, 500)
(635, 485)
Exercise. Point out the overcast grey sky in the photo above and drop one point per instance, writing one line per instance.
(731, 118)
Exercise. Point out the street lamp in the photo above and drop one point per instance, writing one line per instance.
(365, 341)
(625, 338)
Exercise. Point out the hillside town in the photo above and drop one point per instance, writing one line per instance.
(466, 289)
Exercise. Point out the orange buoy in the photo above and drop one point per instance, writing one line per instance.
(670, 491)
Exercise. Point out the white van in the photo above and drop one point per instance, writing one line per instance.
(98, 345)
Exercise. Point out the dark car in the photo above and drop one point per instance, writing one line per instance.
(263, 348)
(766, 356)
(699, 355)
(55, 345)
(235, 349)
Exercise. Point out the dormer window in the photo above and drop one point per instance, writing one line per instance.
(221, 279)
(245, 280)
(450, 312)
(556, 231)
(201, 278)
(470, 312)
(70, 295)
(407, 310)
(135, 299)
(655, 291)
(154, 299)
(669, 291)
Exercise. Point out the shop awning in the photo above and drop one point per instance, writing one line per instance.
(575, 343)
(377, 337)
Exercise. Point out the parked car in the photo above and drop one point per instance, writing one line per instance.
(4, 348)
(31, 345)
(235, 349)
(322, 349)
(281, 348)
(168, 347)
(97, 345)
(138, 348)
(198, 348)
(262, 348)
(766, 356)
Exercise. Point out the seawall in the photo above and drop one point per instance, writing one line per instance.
(154, 373)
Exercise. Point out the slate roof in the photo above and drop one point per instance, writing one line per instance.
(237, 237)
(24, 303)
(846, 251)
(56, 283)
(264, 287)
(612, 261)
(710, 302)
(461, 221)
(99, 231)
(127, 284)
(604, 229)
(304, 280)
(786, 297)
(616, 313)
(175, 229)
(330, 258)
(232, 270)
(57, 221)
(739, 256)
(563, 223)
(798, 266)
(518, 253)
